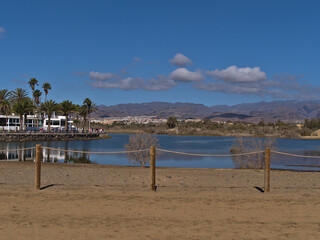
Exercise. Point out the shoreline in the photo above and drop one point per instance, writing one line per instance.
(23, 137)
(98, 165)
(46, 136)
(207, 135)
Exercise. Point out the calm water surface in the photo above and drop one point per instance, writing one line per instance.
(190, 144)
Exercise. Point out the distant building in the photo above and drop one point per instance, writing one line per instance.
(57, 123)
(131, 120)
(12, 122)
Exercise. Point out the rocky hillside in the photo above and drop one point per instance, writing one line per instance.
(288, 111)
(159, 109)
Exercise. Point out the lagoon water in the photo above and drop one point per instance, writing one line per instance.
(189, 144)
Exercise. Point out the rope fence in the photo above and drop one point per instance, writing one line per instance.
(209, 155)
(295, 155)
(163, 150)
(153, 151)
(87, 152)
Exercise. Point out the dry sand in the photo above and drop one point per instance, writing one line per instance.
(106, 202)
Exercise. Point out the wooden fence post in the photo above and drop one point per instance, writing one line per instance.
(267, 171)
(38, 167)
(153, 168)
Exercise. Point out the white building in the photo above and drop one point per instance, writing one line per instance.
(57, 123)
(12, 122)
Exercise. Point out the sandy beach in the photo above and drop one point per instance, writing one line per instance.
(110, 202)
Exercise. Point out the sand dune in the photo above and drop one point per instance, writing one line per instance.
(107, 202)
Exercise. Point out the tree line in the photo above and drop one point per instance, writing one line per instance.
(210, 128)
(20, 103)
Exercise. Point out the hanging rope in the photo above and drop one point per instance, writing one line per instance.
(163, 150)
(76, 151)
(210, 155)
(294, 155)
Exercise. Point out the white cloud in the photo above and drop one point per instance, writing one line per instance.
(15, 80)
(232, 80)
(280, 87)
(2, 31)
(100, 76)
(235, 74)
(161, 83)
(231, 88)
(80, 74)
(137, 59)
(184, 75)
(180, 60)
(124, 84)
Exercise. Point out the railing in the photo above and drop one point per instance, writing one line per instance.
(153, 150)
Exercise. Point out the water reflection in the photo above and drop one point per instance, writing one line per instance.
(282, 160)
(48, 155)
(18, 155)
(190, 144)
(78, 158)
(177, 157)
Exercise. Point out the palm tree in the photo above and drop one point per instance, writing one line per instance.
(91, 107)
(32, 83)
(22, 108)
(5, 106)
(5, 103)
(19, 98)
(77, 109)
(4, 94)
(19, 94)
(36, 95)
(76, 122)
(49, 107)
(46, 87)
(29, 109)
(36, 98)
(83, 113)
(66, 107)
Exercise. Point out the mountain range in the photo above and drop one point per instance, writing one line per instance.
(287, 111)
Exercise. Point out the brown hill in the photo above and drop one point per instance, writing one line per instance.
(288, 111)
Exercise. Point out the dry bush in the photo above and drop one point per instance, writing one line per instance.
(247, 145)
(141, 142)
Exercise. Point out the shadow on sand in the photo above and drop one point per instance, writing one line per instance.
(49, 186)
(259, 189)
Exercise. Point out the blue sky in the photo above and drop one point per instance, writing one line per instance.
(210, 52)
